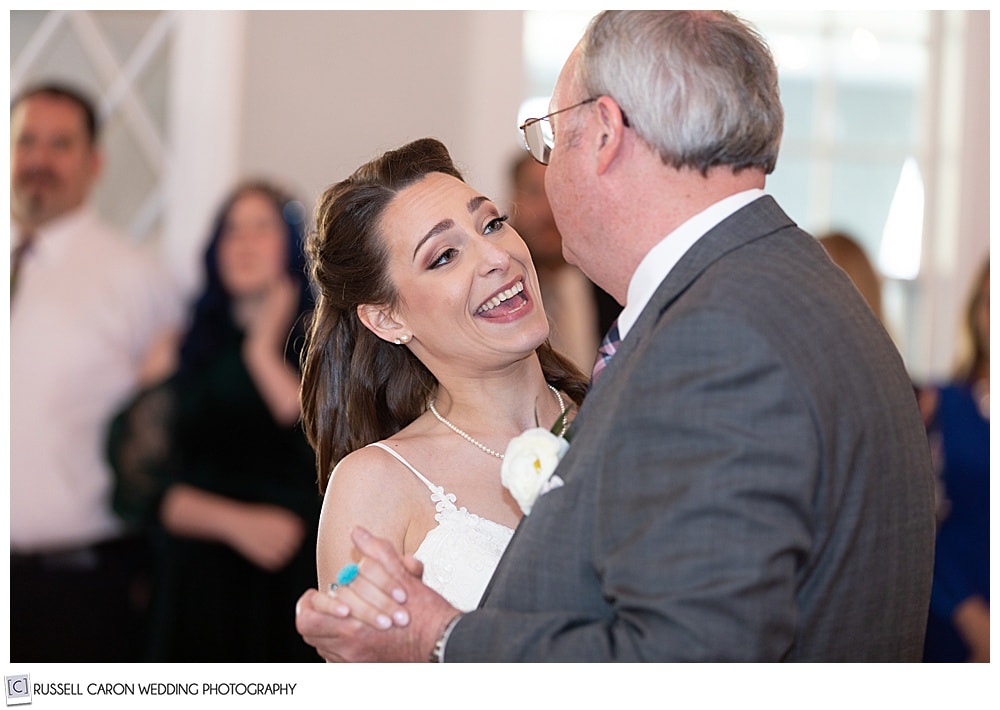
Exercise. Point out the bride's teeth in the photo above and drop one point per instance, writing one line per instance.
(501, 297)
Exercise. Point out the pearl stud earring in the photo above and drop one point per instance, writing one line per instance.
(402, 340)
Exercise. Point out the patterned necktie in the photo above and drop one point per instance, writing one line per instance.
(604, 353)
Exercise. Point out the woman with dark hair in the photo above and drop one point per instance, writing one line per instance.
(213, 457)
(427, 354)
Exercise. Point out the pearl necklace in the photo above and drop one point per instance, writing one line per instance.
(434, 411)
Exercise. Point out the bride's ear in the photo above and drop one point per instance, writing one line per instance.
(382, 322)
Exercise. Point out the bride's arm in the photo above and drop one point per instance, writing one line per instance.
(367, 489)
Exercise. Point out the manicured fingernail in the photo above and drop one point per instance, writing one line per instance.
(399, 595)
(383, 621)
(401, 618)
(342, 611)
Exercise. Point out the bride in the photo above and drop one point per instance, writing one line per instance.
(427, 353)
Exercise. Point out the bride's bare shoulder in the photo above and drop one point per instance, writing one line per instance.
(371, 466)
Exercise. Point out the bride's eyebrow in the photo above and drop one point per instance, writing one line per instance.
(441, 226)
(474, 203)
(445, 224)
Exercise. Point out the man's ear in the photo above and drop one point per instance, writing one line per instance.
(611, 123)
(381, 321)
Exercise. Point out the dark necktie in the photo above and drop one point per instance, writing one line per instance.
(17, 259)
(604, 353)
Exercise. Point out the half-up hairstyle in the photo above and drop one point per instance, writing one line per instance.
(357, 388)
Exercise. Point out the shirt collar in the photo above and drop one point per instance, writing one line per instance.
(662, 258)
(57, 231)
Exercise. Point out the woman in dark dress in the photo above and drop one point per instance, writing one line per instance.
(213, 457)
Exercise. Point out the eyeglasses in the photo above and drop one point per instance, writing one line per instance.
(538, 136)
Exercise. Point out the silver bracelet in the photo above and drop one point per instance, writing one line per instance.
(437, 653)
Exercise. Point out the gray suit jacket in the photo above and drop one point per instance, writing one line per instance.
(748, 480)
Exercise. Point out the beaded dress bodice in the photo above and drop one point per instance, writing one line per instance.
(461, 553)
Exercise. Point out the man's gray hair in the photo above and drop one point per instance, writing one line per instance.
(700, 87)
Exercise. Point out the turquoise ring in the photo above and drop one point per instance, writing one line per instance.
(347, 574)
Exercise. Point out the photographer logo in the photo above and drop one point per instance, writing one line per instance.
(18, 689)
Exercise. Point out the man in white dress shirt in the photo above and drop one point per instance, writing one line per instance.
(85, 304)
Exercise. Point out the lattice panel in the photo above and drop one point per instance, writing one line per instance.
(122, 58)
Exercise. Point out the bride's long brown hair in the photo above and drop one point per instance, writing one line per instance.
(357, 388)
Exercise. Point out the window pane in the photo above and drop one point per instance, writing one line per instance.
(791, 181)
(877, 117)
(798, 97)
(860, 195)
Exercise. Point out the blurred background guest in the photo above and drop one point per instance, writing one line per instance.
(958, 421)
(213, 453)
(579, 311)
(85, 306)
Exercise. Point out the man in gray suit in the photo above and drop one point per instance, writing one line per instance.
(749, 477)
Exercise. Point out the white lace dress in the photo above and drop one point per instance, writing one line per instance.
(460, 554)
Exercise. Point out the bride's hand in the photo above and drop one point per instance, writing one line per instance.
(345, 625)
(377, 594)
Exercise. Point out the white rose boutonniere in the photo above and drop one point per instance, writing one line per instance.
(528, 464)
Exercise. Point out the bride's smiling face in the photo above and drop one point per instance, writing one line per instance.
(464, 277)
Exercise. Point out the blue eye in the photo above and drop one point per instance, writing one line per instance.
(495, 225)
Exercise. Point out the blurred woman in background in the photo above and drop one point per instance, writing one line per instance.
(958, 422)
(212, 456)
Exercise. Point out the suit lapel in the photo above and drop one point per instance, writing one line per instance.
(754, 221)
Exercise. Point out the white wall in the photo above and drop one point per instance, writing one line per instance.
(957, 213)
(973, 228)
(305, 97)
(326, 91)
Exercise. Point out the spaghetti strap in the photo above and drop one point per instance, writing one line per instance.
(461, 551)
(398, 457)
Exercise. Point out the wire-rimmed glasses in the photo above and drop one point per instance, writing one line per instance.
(538, 136)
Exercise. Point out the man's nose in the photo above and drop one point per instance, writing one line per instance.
(35, 155)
